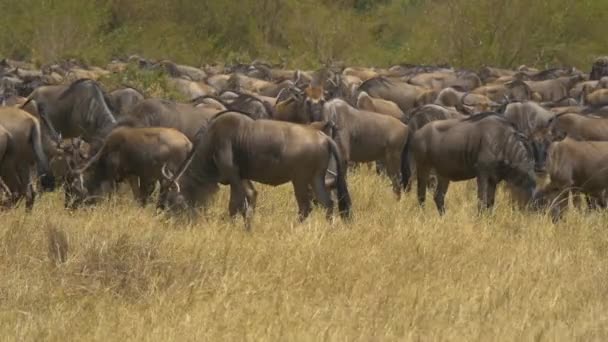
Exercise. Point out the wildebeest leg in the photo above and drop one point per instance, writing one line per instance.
(380, 167)
(422, 175)
(594, 200)
(323, 195)
(146, 188)
(238, 202)
(30, 197)
(491, 193)
(300, 189)
(440, 191)
(392, 169)
(560, 203)
(252, 199)
(135, 186)
(482, 192)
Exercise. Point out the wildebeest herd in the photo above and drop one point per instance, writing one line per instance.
(261, 123)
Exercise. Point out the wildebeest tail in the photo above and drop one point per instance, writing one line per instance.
(344, 201)
(27, 100)
(406, 171)
(42, 163)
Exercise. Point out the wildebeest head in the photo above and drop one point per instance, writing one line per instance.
(540, 143)
(88, 180)
(519, 166)
(313, 103)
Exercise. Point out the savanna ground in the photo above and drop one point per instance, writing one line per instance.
(397, 272)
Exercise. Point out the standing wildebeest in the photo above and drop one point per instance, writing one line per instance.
(578, 166)
(184, 117)
(6, 141)
(134, 154)
(599, 68)
(77, 110)
(532, 121)
(121, 101)
(235, 147)
(24, 150)
(405, 95)
(366, 137)
(381, 106)
(579, 127)
(485, 146)
(301, 107)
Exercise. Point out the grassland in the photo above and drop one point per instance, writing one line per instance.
(397, 272)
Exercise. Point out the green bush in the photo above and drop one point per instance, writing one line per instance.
(308, 33)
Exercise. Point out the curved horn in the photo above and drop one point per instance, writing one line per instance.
(166, 173)
(91, 161)
(5, 188)
(298, 76)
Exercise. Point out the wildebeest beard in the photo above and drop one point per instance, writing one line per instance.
(518, 165)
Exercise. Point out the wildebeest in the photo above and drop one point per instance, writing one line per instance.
(532, 121)
(235, 147)
(137, 155)
(599, 68)
(184, 117)
(301, 107)
(121, 101)
(553, 90)
(6, 141)
(578, 167)
(484, 146)
(367, 137)
(578, 127)
(405, 95)
(24, 151)
(77, 110)
(255, 107)
(381, 106)
(515, 90)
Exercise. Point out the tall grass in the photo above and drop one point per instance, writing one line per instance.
(395, 272)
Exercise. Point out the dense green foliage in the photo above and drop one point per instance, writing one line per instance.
(465, 33)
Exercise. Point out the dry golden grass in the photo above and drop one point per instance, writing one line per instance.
(396, 273)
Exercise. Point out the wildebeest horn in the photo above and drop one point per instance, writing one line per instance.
(298, 77)
(169, 176)
(166, 173)
(186, 163)
(5, 188)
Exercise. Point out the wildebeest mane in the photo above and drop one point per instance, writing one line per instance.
(480, 116)
(375, 81)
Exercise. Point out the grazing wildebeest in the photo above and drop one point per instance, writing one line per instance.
(578, 167)
(137, 155)
(77, 110)
(235, 148)
(484, 146)
(367, 137)
(24, 151)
